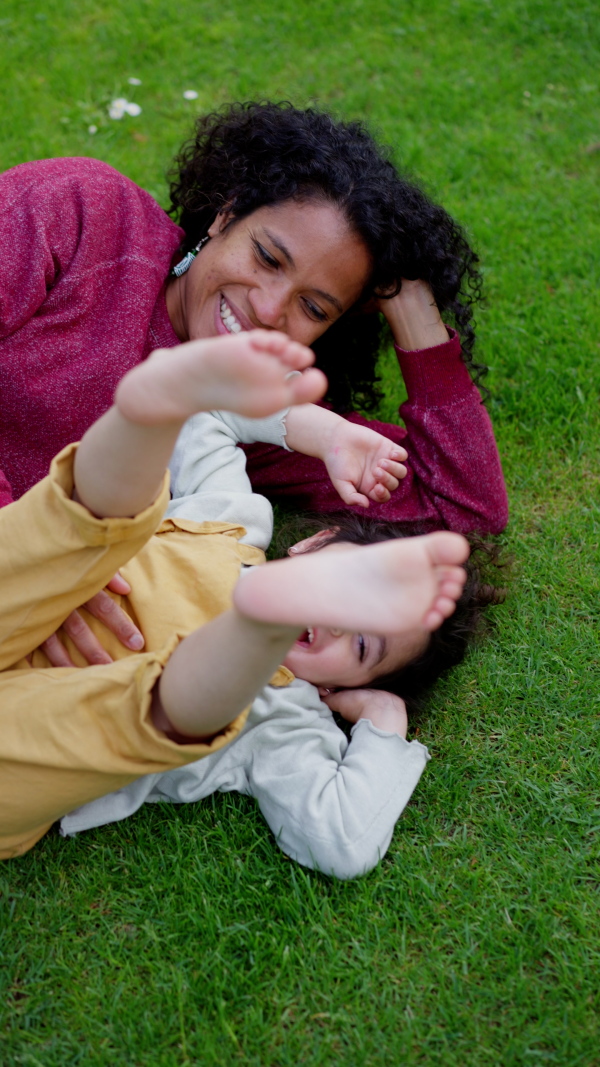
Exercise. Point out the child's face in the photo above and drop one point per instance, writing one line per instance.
(330, 658)
(335, 659)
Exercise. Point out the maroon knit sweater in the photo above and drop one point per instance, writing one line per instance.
(84, 254)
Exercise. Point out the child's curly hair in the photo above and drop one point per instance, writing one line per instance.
(448, 644)
(249, 155)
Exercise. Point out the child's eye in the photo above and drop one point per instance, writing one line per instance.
(361, 647)
(263, 255)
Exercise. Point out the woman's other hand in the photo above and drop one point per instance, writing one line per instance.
(385, 710)
(102, 607)
(414, 317)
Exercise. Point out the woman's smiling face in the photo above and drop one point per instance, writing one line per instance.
(294, 266)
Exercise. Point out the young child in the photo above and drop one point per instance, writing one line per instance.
(71, 735)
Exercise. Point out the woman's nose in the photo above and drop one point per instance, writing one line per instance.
(336, 633)
(269, 307)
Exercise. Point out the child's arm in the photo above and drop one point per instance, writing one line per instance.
(362, 464)
(332, 805)
(206, 465)
(384, 710)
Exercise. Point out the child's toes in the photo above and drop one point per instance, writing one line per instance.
(297, 356)
(451, 589)
(308, 387)
(441, 609)
(272, 341)
(446, 549)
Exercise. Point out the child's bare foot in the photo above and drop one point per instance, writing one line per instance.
(246, 373)
(387, 588)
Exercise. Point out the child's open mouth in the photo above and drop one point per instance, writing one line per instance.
(307, 637)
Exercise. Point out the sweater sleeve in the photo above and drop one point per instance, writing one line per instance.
(5, 490)
(454, 477)
(331, 805)
(33, 246)
(39, 230)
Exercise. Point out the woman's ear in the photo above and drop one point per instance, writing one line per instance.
(220, 222)
(310, 544)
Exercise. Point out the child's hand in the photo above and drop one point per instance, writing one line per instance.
(363, 465)
(385, 710)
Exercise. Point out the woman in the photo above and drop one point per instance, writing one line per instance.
(310, 230)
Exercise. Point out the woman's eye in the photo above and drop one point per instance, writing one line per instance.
(263, 255)
(314, 311)
(361, 647)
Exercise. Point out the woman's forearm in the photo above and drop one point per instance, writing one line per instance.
(414, 317)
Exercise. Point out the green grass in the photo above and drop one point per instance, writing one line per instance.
(184, 936)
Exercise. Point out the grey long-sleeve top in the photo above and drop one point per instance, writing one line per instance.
(332, 803)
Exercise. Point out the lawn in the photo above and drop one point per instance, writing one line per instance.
(184, 936)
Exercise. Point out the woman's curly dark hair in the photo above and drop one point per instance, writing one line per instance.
(448, 645)
(249, 155)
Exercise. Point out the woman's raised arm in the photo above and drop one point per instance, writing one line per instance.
(454, 477)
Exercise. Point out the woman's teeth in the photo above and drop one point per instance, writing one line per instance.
(310, 635)
(229, 318)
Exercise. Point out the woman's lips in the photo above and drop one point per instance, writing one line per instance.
(229, 319)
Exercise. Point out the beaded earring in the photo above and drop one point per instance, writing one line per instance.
(185, 263)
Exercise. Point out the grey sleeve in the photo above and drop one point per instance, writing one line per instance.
(208, 473)
(206, 457)
(332, 804)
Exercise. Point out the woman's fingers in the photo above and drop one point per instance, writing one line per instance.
(105, 609)
(84, 640)
(56, 652)
(119, 585)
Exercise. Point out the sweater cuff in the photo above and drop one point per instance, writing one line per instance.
(414, 747)
(92, 530)
(436, 376)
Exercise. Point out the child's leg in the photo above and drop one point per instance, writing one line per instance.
(123, 456)
(54, 554)
(71, 735)
(392, 587)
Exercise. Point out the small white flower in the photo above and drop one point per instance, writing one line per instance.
(92, 129)
(121, 106)
(527, 94)
(134, 81)
(190, 94)
(117, 108)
